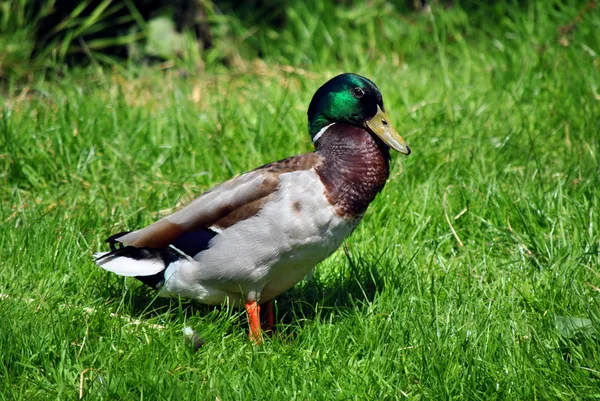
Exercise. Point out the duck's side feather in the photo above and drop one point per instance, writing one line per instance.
(266, 254)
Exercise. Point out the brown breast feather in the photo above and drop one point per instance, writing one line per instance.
(223, 206)
(354, 168)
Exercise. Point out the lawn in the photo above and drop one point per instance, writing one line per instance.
(474, 275)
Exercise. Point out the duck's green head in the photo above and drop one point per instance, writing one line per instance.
(353, 99)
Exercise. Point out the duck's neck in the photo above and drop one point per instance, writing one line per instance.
(354, 168)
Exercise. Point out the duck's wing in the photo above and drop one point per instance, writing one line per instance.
(205, 210)
(222, 206)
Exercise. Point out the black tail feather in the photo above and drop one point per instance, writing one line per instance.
(112, 240)
(154, 281)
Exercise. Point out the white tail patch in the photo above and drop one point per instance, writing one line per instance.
(129, 267)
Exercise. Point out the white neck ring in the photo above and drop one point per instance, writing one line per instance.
(321, 132)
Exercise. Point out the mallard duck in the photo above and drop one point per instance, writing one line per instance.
(255, 236)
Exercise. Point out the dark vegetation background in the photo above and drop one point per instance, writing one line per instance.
(38, 35)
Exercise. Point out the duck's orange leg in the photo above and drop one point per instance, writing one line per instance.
(253, 310)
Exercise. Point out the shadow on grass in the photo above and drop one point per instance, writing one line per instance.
(357, 282)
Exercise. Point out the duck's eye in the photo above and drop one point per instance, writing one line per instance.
(358, 92)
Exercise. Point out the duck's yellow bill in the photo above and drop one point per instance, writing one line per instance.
(380, 125)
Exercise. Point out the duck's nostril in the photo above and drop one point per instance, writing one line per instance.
(384, 121)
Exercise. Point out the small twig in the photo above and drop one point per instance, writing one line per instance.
(460, 213)
(593, 286)
(82, 379)
(570, 27)
(445, 206)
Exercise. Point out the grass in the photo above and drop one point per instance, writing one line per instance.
(474, 275)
